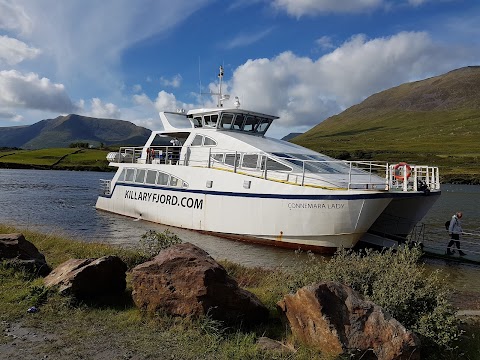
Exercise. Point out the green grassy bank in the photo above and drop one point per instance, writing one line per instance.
(116, 329)
(56, 158)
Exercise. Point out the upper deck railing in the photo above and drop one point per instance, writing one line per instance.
(331, 174)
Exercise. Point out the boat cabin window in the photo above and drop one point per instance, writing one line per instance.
(140, 176)
(249, 124)
(200, 140)
(176, 182)
(210, 120)
(274, 165)
(197, 121)
(122, 175)
(218, 157)
(162, 178)
(151, 177)
(237, 124)
(226, 122)
(250, 161)
(263, 125)
(197, 141)
(230, 159)
(209, 141)
(129, 174)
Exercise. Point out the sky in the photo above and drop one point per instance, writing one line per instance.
(302, 60)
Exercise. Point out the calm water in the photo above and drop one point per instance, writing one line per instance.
(64, 202)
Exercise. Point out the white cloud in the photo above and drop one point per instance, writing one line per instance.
(142, 99)
(242, 40)
(10, 116)
(313, 7)
(168, 102)
(29, 91)
(13, 51)
(417, 2)
(305, 91)
(300, 8)
(137, 88)
(14, 18)
(174, 82)
(104, 110)
(77, 43)
(325, 43)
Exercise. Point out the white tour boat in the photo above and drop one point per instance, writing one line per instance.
(217, 172)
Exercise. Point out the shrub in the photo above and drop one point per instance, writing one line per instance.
(152, 242)
(395, 281)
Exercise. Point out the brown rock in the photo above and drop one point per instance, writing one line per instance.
(333, 318)
(184, 280)
(89, 277)
(16, 249)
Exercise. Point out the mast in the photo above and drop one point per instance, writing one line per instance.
(221, 97)
(220, 80)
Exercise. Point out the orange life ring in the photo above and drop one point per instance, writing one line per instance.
(397, 171)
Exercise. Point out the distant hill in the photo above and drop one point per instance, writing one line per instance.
(290, 136)
(432, 121)
(439, 115)
(64, 130)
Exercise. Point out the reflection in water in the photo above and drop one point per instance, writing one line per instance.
(64, 202)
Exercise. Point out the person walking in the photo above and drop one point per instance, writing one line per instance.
(455, 230)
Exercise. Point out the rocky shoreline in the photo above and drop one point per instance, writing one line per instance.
(184, 282)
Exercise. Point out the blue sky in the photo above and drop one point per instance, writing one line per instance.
(303, 60)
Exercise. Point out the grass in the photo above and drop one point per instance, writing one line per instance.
(57, 158)
(85, 158)
(115, 328)
(42, 157)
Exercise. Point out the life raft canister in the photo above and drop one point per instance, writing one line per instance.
(399, 169)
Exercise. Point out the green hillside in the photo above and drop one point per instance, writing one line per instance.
(64, 130)
(434, 121)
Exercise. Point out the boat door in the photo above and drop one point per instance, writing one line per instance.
(198, 150)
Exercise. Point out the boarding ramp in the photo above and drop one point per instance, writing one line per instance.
(436, 238)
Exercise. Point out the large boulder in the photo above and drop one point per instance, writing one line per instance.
(16, 249)
(334, 319)
(184, 280)
(89, 277)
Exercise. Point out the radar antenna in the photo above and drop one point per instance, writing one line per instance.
(220, 97)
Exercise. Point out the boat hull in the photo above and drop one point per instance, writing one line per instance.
(404, 212)
(310, 222)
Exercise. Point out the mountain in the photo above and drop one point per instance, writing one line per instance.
(64, 130)
(439, 115)
(290, 136)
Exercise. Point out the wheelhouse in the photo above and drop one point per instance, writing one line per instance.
(232, 120)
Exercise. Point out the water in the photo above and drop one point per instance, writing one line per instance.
(455, 198)
(63, 202)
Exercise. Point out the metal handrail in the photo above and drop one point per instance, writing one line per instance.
(435, 240)
(105, 186)
(358, 174)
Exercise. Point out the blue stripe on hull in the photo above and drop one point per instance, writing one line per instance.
(382, 195)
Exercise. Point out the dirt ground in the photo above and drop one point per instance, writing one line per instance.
(20, 342)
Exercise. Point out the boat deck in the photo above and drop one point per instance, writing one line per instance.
(301, 171)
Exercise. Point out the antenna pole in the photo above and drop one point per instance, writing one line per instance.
(220, 77)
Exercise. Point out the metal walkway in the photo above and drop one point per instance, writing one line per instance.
(435, 241)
